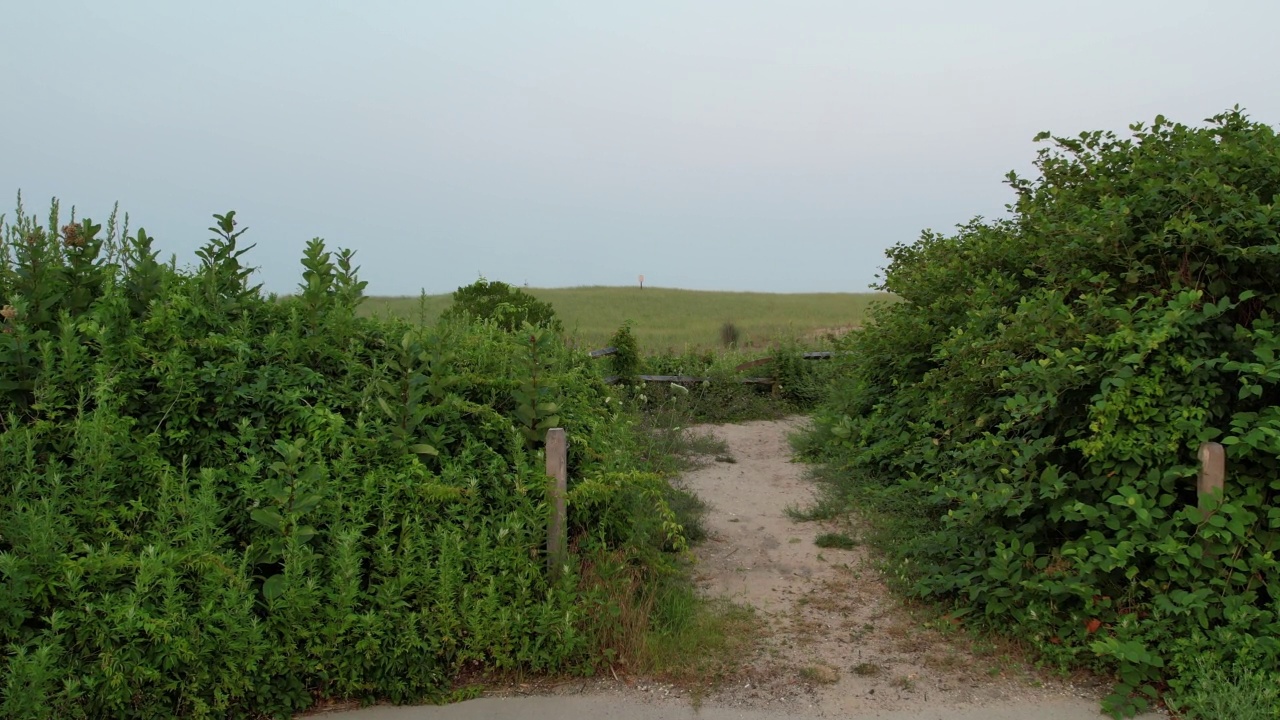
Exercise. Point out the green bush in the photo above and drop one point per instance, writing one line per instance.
(219, 504)
(720, 398)
(802, 383)
(625, 361)
(723, 397)
(1030, 414)
(500, 303)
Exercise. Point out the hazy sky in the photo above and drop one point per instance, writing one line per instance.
(773, 146)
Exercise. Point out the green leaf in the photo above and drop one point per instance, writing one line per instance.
(273, 587)
(423, 449)
(306, 503)
(268, 518)
(386, 409)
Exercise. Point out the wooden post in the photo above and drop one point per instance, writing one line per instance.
(1213, 472)
(558, 476)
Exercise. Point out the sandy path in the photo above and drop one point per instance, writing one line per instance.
(838, 643)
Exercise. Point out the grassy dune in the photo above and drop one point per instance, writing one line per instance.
(664, 318)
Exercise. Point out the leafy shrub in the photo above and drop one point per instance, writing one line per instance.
(625, 361)
(720, 398)
(219, 504)
(802, 383)
(1030, 413)
(497, 301)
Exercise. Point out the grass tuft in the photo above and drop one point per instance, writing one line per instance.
(696, 641)
(820, 674)
(838, 541)
(730, 334)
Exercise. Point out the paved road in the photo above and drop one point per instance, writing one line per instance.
(614, 708)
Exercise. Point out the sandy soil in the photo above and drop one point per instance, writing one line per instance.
(837, 642)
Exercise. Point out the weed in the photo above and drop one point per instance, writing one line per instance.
(866, 669)
(839, 541)
(820, 674)
(690, 511)
(729, 334)
(706, 444)
(1239, 692)
(697, 641)
(950, 660)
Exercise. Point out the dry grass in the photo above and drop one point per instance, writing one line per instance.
(866, 669)
(820, 674)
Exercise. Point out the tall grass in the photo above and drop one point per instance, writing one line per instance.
(669, 319)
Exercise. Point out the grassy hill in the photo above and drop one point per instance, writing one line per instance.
(664, 318)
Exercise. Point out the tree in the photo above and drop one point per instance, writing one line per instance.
(508, 307)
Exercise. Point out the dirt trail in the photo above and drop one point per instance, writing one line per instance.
(838, 644)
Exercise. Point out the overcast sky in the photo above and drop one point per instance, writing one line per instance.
(737, 145)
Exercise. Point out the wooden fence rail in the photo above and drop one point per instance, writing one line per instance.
(685, 380)
(694, 380)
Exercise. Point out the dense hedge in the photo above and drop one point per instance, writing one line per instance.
(1030, 414)
(219, 504)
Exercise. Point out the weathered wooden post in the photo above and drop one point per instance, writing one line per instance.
(558, 477)
(1213, 472)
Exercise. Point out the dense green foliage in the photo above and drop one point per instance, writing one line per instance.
(218, 504)
(1030, 414)
(625, 360)
(498, 302)
(723, 397)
